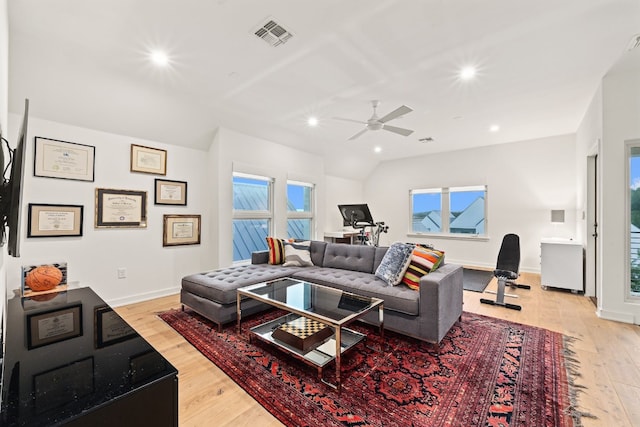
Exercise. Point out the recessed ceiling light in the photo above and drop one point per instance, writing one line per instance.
(377, 149)
(494, 128)
(312, 121)
(159, 58)
(467, 73)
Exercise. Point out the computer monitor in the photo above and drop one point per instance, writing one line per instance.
(355, 214)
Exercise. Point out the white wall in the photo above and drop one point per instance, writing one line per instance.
(621, 123)
(340, 191)
(238, 152)
(525, 181)
(588, 143)
(93, 259)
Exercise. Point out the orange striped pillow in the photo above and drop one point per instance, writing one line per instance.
(423, 261)
(276, 250)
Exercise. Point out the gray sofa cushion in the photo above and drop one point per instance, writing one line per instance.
(397, 298)
(220, 285)
(349, 257)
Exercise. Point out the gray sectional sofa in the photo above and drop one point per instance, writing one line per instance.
(427, 314)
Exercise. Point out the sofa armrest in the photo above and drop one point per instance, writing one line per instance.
(441, 295)
(260, 257)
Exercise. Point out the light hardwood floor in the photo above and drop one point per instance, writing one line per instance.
(608, 354)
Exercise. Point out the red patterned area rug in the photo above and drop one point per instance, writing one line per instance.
(488, 372)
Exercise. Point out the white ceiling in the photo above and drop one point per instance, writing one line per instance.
(86, 63)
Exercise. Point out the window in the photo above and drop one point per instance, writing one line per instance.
(455, 210)
(300, 210)
(252, 214)
(633, 201)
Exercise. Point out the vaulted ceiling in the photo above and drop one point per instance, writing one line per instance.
(538, 65)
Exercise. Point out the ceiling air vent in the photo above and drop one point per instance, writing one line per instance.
(273, 33)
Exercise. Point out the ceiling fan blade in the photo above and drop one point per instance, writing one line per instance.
(401, 131)
(349, 120)
(400, 111)
(358, 134)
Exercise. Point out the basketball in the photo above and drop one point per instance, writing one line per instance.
(43, 278)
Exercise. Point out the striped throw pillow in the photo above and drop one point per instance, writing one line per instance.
(423, 261)
(276, 250)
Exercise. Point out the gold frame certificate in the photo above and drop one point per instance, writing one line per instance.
(181, 230)
(148, 160)
(121, 208)
(64, 160)
(47, 220)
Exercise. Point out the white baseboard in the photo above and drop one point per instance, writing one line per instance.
(616, 316)
(132, 299)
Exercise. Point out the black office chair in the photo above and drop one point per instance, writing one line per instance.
(506, 271)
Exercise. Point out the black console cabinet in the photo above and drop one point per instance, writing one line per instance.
(70, 360)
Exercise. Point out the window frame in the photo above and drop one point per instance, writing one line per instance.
(254, 214)
(630, 146)
(310, 215)
(445, 212)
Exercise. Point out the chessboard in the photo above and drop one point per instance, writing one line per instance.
(302, 333)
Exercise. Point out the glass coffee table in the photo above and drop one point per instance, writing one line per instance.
(312, 308)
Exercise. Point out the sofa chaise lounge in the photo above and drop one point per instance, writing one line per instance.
(427, 314)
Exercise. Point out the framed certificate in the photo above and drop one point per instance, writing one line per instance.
(110, 327)
(181, 230)
(120, 208)
(54, 220)
(148, 160)
(170, 192)
(53, 326)
(64, 160)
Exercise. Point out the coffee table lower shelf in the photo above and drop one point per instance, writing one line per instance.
(318, 356)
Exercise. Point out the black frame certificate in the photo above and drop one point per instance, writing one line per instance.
(169, 192)
(121, 208)
(46, 220)
(63, 160)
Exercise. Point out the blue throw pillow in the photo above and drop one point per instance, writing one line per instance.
(395, 263)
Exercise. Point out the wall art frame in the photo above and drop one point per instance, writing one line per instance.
(49, 220)
(148, 160)
(64, 160)
(181, 230)
(168, 192)
(52, 326)
(120, 208)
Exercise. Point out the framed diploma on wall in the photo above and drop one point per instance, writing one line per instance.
(148, 160)
(181, 230)
(54, 220)
(120, 208)
(64, 160)
(170, 192)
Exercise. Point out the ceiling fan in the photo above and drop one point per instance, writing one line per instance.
(376, 123)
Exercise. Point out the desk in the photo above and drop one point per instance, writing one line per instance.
(562, 264)
(70, 359)
(349, 237)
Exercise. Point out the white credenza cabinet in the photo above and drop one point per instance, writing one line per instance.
(561, 264)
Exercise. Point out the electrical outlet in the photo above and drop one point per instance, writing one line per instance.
(122, 273)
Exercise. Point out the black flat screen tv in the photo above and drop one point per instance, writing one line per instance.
(355, 214)
(15, 187)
